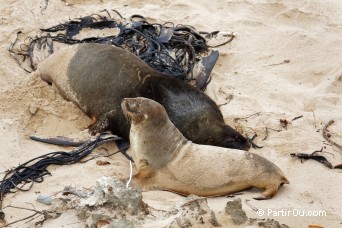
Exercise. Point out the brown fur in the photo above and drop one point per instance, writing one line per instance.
(167, 160)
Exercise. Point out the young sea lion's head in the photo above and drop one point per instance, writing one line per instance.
(142, 110)
(226, 136)
(210, 129)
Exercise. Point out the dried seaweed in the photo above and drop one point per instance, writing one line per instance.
(327, 137)
(35, 169)
(168, 48)
(313, 156)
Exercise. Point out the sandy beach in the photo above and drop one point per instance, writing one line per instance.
(285, 62)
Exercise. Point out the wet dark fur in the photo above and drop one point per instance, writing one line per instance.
(101, 76)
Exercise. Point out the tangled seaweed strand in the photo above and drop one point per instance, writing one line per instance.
(34, 170)
(167, 48)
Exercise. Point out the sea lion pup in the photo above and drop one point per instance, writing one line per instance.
(96, 77)
(166, 160)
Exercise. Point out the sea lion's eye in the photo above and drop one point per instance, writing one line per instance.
(229, 140)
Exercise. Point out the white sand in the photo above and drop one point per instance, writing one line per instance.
(307, 33)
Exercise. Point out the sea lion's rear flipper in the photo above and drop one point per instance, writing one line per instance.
(203, 69)
(269, 192)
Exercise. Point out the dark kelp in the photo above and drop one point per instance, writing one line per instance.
(35, 169)
(314, 156)
(171, 49)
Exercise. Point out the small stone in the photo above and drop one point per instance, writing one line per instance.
(234, 209)
(122, 224)
(47, 200)
(266, 223)
(213, 220)
(33, 109)
(96, 219)
(195, 212)
(183, 222)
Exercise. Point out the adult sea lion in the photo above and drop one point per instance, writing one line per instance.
(97, 77)
(167, 160)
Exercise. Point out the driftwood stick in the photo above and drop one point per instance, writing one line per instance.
(327, 137)
(23, 219)
(20, 220)
(250, 205)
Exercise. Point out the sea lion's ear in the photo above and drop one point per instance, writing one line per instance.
(143, 78)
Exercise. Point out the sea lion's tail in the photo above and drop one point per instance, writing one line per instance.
(284, 180)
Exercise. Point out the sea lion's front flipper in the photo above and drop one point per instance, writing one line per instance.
(269, 192)
(144, 170)
(101, 124)
(60, 141)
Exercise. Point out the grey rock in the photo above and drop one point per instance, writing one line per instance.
(122, 223)
(234, 209)
(213, 220)
(47, 200)
(266, 223)
(110, 190)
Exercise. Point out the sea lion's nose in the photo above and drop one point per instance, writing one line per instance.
(124, 104)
